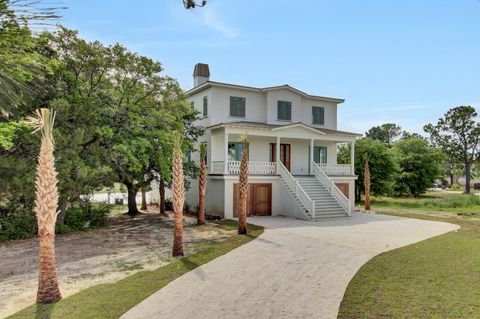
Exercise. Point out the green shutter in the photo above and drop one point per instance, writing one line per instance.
(320, 155)
(318, 114)
(284, 110)
(237, 106)
(205, 106)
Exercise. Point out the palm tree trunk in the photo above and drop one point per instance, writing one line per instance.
(202, 186)
(144, 200)
(367, 185)
(178, 200)
(243, 188)
(46, 203)
(48, 289)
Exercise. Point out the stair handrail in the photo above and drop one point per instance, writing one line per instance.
(332, 188)
(295, 186)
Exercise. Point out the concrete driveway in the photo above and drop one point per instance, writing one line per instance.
(296, 269)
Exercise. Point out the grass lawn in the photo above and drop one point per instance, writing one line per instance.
(431, 202)
(436, 278)
(113, 300)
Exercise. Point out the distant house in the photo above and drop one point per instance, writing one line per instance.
(292, 149)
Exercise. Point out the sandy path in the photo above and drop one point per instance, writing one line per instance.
(98, 256)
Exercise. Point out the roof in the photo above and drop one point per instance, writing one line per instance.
(265, 89)
(274, 127)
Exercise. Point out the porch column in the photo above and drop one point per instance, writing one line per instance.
(225, 155)
(312, 146)
(277, 152)
(352, 157)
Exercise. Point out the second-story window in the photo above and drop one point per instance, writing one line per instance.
(205, 106)
(318, 115)
(284, 111)
(192, 105)
(237, 106)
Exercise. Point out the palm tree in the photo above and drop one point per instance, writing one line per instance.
(367, 183)
(243, 187)
(178, 190)
(46, 201)
(202, 185)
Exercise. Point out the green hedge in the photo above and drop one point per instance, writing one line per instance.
(19, 222)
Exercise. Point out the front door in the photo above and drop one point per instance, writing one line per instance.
(285, 154)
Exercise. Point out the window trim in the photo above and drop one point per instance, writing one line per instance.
(244, 106)
(278, 111)
(313, 116)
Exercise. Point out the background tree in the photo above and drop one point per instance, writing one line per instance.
(178, 190)
(46, 208)
(458, 135)
(243, 187)
(202, 185)
(419, 166)
(381, 162)
(385, 133)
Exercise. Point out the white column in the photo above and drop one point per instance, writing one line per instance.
(225, 155)
(277, 152)
(352, 157)
(312, 145)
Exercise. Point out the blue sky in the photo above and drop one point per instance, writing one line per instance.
(401, 61)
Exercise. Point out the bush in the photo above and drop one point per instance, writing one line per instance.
(18, 221)
(168, 203)
(83, 216)
(455, 187)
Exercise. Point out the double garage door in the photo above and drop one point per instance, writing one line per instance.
(259, 199)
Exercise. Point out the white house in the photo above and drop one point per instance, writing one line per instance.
(292, 148)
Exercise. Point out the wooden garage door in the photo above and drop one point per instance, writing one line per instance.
(344, 187)
(259, 200)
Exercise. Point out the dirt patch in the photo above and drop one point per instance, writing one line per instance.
(127, 245)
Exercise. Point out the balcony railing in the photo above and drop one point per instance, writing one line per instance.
(254, 168)
(270, 168)
(336, 169)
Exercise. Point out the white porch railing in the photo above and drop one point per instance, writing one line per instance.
(295, 187)
(332, 188)
(336, 169)
(254, 168)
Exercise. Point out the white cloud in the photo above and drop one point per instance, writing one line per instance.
(210, 18)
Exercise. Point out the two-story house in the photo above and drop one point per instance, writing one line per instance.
(292, 150)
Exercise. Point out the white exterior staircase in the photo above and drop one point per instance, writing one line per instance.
(317, 197)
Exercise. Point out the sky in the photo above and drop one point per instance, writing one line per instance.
(400, 61)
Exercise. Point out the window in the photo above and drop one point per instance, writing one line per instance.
(205, 106)
(284, 111)
(235, 150)
(192, 105)
(320, 154)
(318, 114)
(237, 106)
(188, 155)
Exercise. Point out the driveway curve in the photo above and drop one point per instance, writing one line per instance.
(295, 269)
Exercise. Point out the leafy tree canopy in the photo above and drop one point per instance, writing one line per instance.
(419, 166)
(457, 133)
(385, 133)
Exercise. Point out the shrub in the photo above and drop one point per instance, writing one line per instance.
(18, 221)
(85, 215)
(455, 187)
(168, 203)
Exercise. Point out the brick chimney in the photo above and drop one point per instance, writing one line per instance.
(201, 74)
